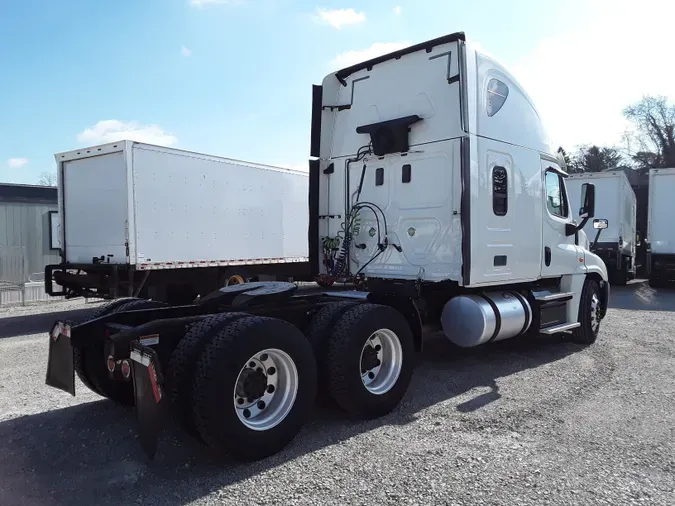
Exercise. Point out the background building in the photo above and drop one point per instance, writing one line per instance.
(28, 240)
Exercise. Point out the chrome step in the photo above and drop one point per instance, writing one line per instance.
(560, 328)
(558, 296)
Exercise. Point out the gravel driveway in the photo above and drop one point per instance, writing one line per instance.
(510, 423)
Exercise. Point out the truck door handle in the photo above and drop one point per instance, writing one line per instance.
(547, 256)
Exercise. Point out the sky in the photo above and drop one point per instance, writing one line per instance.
(233, 77)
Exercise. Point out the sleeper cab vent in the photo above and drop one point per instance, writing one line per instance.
(500, 202)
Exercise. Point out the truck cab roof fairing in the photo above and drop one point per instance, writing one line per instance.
(341, 75)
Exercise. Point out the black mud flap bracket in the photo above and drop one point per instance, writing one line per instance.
(60, 369)
(148, 395)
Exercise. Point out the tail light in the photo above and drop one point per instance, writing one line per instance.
(126, 369)
(110, 363)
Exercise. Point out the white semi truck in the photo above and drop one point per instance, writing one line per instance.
(168, 224)
(434, 190)
(660, 228)
(615, 201)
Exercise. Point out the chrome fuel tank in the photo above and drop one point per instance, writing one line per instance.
(472, 320)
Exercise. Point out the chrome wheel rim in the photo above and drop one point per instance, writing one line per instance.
(595, 312)
(265, 390)
(381, 361)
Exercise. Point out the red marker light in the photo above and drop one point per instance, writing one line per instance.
(126, 369)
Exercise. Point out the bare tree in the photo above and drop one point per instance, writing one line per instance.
(654, 119)
(47, 179)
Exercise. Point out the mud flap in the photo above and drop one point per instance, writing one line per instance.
(60, 370)
(148, 395)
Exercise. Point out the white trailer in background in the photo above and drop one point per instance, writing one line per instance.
(615, 201)
(168, 224)
(661, 227)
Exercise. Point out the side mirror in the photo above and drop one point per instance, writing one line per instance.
(587, 209)
(598, 225)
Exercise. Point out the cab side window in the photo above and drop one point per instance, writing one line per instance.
(556, 200)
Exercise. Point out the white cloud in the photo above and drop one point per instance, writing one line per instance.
(185, 51)
(112, 130)
(581, 80)
(376, 49)
(338, 18)
(16, 163)
(397, 10)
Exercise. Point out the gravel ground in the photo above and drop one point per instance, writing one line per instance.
(511, 423)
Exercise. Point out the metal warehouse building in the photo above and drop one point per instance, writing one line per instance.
(28, 240)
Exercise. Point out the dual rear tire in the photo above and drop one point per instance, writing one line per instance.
(368, 358)
(245, 385)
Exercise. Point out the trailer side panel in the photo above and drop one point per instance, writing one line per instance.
(193, 209)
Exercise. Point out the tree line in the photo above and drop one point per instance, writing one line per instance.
(651, 143)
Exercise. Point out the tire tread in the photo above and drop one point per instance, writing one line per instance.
(339, 359)
(182, 364)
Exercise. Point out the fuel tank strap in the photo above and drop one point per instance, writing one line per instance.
(498, 317)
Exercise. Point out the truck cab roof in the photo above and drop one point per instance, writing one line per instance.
(405, 83)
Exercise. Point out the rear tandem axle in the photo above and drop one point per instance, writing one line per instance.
(271, 347)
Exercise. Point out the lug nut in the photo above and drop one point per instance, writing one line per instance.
(371, 375)
(251, 364)
(240, 401)
(271, 371)
(247, 413)
(378, 347)
(261, 404)
(263, 357)
(259, 369)
(270, 389)
(378, 363)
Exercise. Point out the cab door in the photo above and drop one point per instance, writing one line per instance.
(561, 255)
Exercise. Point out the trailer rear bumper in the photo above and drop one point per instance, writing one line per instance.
(662, 266)
(83, 280)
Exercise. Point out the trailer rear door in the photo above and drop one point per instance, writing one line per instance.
(95, 208)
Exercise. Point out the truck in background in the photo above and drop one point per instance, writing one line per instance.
(661, 227)
(434, 188)
(615, 201)
(166, 224)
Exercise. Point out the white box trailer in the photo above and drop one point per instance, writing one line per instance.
(172, 224)
(615, 201)
(660, 228)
